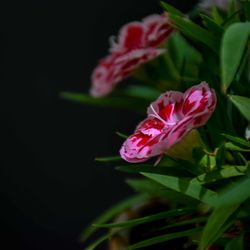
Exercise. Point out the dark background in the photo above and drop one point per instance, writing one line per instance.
(50, 186)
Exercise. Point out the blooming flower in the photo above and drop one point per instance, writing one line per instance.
(136, 44)
(170, 118)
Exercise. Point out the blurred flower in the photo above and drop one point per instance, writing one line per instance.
(170, 118)
(118, 66)
(208, 4)
(136, 44)
(247, 132)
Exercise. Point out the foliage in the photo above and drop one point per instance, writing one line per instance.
(212, 46)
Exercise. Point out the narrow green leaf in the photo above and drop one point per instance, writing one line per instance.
(237, 140)
(147, 219)
(235, 193)
(225, 172)
(103, 238)
(236, 243)
(108, 159)
(234, 12)
(182, 223)
(231, 19)
(233, 147)
(243, 105)
(173, 171)
(111, 213)
(186, 59)
(184, 185)
(144, 92)
(217, 15)
(163, 238)
(212, 25)
(148, 186)
(195, 31)
(246, 7)
(110, 101)
(122, 135)
(98, 242)
(170, 9)
(219, 221)
(235, 39)
(157, 190)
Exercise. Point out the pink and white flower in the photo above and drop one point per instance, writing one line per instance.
(118, 66)
(136, 44)
(170, 118)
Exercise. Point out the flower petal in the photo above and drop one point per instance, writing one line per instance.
(131, 36)
(144, 143)
(168, 107)
(198, 99)
(157, 29)
(118, 66)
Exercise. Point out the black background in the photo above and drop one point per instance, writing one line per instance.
(50, 186)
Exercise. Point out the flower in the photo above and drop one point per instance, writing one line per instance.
(170, 118)
(208, 4)
(136, 44)
(118, 66)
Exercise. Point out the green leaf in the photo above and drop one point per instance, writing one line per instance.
(234, 12)
(217, 15)
(233, 18)
(237, 140)
(235, 193)
(173, 171)
(148, 186)
(163, 238)
(147, 219)
(236, 243)
(170, 9)
(195, 31)
(102, 239)
(144, 92)
(157, 190)
(219, 221)
(232, 49)
(182, 223)
(229, 200)
(184, 185)
(234, 147)
(111, 213)
(242, 103)
(246, 7)
(186, 59)
(111, 101)
(98, 242)
(212, 25)
(123, 136)
(108, 159)
(225, 172)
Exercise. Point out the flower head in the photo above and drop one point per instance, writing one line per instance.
(136, 44)
(170, 118)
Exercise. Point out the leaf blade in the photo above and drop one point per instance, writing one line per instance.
(242, 103)
(110, 213)
(193, 190)
(163, 238)
(234, 39)
(147, 219)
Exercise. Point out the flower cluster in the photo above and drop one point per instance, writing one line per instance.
(136, 44)
(171, 117)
